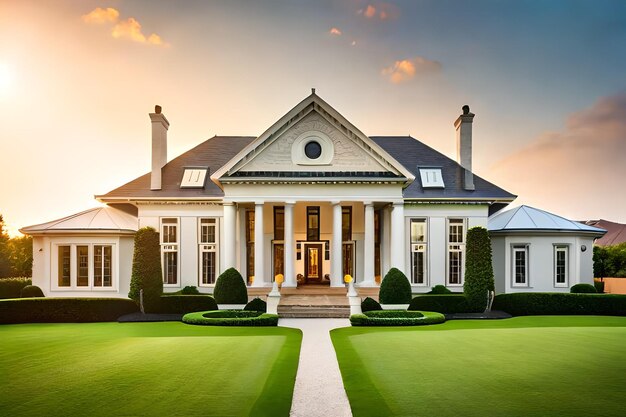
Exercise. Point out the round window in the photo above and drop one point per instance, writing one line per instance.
(313, 150)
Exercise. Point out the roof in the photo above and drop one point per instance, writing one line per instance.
(100, 219)
(530, 219)
(616, 232)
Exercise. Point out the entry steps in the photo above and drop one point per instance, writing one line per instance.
(313, 311)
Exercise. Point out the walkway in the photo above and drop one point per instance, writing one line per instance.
(319, 389)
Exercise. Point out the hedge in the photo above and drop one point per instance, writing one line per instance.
(478, 268)
(64, 310)
(183, 304)
(369, 304)
(396, 318)
(583, 289)
(12, 287)
(441, 303)
(31, 291)
(529, 304)
(231, 318)
(439, 289)
(146, 274)
(256, 305)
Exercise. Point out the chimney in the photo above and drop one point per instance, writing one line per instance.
(463, 127)
(159, 146)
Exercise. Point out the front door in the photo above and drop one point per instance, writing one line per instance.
(313, 263)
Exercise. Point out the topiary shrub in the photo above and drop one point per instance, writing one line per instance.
(395, 288)
(369, 304)
(256, 305)
(147, 274)
(478, 269)
(183, 304)
(599, 286)
(230, 288)
(31, 291)
(231, 318)
(12, 287)
(396, 318)
(582, 289)
(441, 303)
(189, 290)
(439, 289)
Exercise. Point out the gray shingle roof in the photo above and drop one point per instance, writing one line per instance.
(528, 219)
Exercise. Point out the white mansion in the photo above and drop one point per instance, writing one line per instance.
(312, 198)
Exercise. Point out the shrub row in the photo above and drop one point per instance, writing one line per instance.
(396, 318)
(12, 287)
(231, 318)
(528, 304)
(183, 304)
(441, 303)
(64, 310)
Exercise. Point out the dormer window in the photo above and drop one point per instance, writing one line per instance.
(431, 178)
(193, 178)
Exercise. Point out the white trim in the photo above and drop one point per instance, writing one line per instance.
(73, 245)
(175, 248)
(522, 248)
(298, 155)
(204, 247)
(460, 250)
(415, 248)
(560, 247)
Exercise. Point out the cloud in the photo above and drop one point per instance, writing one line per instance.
(407, 69)
(379, 11)
(100, 15)
(577, 172)
(335, 31)
(129, 28)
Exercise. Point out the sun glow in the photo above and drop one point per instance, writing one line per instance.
(7, 79)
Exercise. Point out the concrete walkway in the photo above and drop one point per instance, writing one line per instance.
(319, 389)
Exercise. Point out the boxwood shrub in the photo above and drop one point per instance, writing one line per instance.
(31, 291)
(12, 287)
(583, 289)
(396, 318)
(441, 303)
(231, 318)
(64, 310)
(439, 289)
(369, 304)
(183, 304)
(256, 305)
(529, 304)
(230, 288)
(395, 288)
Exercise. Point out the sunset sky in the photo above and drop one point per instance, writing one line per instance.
(546, 79)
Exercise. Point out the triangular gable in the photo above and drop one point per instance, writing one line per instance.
(352, 150)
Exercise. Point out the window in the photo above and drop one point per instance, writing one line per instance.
(169, 250)
(456, 251)
(418, 251)
(250, 244)
(102, 266)
(313, 223)
(520, 265)
(431, 178)
(193, 178)
(64, 278)
(560, 265)
(82, 266)
(207, 247)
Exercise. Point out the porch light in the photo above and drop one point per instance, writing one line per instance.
(279, 278)
(347, 278)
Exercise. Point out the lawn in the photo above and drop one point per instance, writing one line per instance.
(525, 366)
(146, 369)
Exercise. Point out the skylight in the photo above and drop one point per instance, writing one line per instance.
(193, 178)
(431, 178)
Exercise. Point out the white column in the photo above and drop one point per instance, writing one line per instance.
(290, 271)
(368, 255)
(336, 264)
(259, 247)
(230, 236)
(397, 237)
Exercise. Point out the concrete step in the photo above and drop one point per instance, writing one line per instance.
(314, 311)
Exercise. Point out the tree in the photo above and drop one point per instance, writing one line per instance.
(600, 262)
(5, 258)
(146, 273)
(478, 268)
(21, 256)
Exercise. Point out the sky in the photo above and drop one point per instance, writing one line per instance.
(546, 80)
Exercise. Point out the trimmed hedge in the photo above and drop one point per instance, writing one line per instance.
(190, 290)
(530, 304)
(230, 288)
(583, 289)
(256, 305)
(396, 318)
(441, 303)
(31, 291)
(12, 287)
(231, 318)
(439, 289)
(395, 288)
(369, 304)
(183, 304)
(478, 268)
(64, 310)
(146, 273)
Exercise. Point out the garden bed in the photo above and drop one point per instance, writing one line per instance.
(231, 318)
(396, 318)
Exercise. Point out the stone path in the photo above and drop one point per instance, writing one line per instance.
(319, 389)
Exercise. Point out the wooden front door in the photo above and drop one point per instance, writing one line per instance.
(313, 263)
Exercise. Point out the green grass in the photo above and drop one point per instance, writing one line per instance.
(146, 369)
(525, 366)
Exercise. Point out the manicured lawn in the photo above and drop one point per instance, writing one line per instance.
(525, 366)
(146, 369)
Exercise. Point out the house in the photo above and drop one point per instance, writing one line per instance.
(615, 232)
(312, 198)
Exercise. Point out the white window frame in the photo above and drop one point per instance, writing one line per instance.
(205, 247)
(194, 177)
(170, 247)
(565, 249)
(522, 248)
(93, 263)
(431, 178)
(419, 247)
(456, 247)
(54, 267)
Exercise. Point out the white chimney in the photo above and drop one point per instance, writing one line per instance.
(463, 127)
(159, 146)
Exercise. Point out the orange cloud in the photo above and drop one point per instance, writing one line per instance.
(407, 69)
(100, 15)
(380, 11)
(335, 31)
